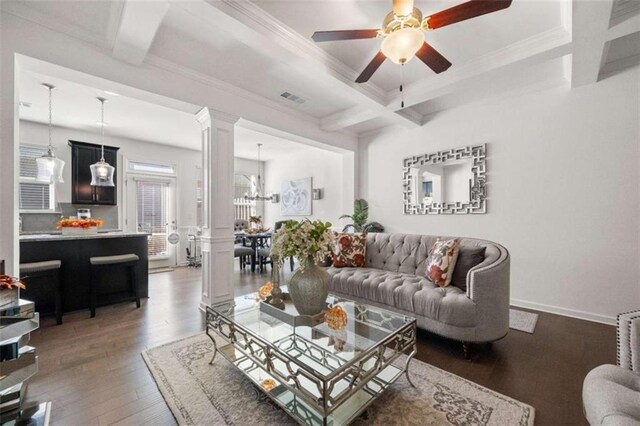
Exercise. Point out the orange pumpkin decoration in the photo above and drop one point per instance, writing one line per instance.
(265, 291)
(336, 318)
(268, 384)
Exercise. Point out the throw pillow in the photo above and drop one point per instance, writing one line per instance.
(350, 250)
(468, 257)
(442, 261)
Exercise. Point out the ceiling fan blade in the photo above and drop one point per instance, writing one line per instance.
(402, 7)
(465, 11)
(371, 68)
(433, 59)
(343, 35)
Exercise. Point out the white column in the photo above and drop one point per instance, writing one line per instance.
(217, 231)
(9, 170)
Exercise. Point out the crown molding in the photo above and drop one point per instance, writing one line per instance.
(206, 115)
(259, 18)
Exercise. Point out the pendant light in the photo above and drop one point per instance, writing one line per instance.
(102, 172)
(257, 196)
(49, 166)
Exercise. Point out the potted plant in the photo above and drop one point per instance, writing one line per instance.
(310, 242)
(359, 219)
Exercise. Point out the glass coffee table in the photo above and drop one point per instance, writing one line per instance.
(318, 375)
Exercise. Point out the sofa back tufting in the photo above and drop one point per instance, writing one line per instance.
(407, 254)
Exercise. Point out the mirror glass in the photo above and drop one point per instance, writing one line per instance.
(448, 182)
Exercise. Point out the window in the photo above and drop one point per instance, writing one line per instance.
(242, 185)
(33, 194)
(151, 168)
(152, 214)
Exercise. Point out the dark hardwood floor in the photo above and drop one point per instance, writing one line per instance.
(92, 371)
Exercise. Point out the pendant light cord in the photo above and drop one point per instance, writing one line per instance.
(259, 167)
(401, 84)
(50, 117)
(102, 129)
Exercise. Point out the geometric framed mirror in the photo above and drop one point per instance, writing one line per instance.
(446, 182)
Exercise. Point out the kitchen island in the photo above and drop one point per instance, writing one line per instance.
(74, 252)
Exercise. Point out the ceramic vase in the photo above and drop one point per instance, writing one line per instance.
(309, 288)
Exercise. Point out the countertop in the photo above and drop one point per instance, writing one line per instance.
(58, 237)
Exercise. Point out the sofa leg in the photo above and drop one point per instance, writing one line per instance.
(467, 348)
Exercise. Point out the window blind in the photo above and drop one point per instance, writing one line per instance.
(28, 155)
(33, 195)
(152, 214)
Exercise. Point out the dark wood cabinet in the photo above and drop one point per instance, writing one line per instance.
(83, 155)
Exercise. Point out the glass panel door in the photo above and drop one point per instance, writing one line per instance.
(151, 210)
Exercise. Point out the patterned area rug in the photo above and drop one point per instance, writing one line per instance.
(198, 393)
(522, 321)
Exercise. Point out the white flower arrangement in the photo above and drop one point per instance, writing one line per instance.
(304, 240)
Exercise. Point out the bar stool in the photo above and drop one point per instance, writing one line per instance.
(49, 268)
(102, 262)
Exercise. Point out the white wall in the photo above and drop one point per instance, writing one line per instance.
(563, 191)
(326, 170)
(188, 167)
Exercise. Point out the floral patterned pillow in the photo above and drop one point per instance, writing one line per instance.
(442, 261)
(349, 250)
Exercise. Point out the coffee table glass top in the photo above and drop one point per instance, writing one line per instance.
(366, 327)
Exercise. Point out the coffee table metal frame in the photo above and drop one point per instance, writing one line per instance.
(346, 378)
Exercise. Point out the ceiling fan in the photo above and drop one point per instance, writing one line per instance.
(403, 32)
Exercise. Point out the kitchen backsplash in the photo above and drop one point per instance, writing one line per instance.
(46, 222)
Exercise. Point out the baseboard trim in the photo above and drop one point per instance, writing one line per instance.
(603, 319)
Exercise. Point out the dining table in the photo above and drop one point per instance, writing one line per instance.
(255, 241)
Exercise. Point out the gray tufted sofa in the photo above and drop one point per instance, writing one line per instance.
(395, 279)
(611, 393)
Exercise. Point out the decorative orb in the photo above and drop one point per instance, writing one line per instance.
(268, 385)
(336, 318)
(265, 291)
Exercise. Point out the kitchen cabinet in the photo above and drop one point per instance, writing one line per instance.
(83, 155)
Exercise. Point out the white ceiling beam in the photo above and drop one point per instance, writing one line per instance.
(520, 56)
(590, 28)
(346, 117)
(254, 27)
(139, 23)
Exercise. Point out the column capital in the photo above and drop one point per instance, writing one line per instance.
(206, 115)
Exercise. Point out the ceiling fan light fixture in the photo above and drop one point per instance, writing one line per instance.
(401, 45)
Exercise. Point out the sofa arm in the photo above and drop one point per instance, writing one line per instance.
(489, 287)
(629, 341)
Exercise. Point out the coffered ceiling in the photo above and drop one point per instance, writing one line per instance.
(263, 49)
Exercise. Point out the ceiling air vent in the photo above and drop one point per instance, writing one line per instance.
(293, 98)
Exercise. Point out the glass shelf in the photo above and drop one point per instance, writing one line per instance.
(19, 375)
(10, 328)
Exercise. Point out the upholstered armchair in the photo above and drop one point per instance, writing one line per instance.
(610, 393)
(240, 250)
